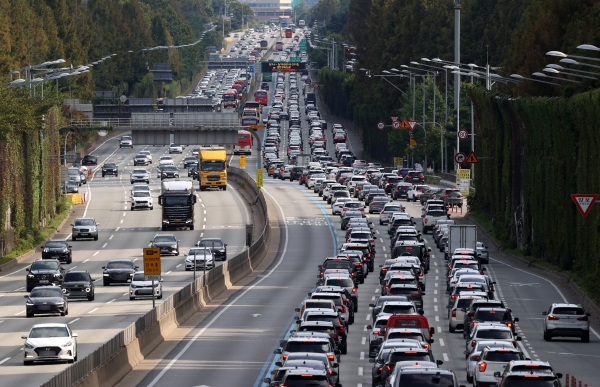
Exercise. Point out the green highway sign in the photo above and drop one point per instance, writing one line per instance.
(295, 59)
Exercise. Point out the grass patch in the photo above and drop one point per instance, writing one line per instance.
(29, 238)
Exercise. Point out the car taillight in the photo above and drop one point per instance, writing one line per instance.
(389, 367)
(454, 312)
(454, 296)
(482, 366)
(426, 346)
(331, 357)
(358, 264)
(285, 356)
(343, 308)
(552, 317)
(353, 290)
(420, 274)
(473, 343)
(416, 295)
(508, 324)
(584, 318)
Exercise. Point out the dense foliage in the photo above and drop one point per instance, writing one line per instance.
(541, 150)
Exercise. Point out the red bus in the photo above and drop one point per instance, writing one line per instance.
(244, 145)
(288, 33)
(262, 97)
(230, 98)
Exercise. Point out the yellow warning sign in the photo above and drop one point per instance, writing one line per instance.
(471, 158)
(398, 162)
(152, 261)
(405, 124)
(243, 161)
(413, 142)
(259, 178)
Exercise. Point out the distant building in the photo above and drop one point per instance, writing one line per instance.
(266, 9)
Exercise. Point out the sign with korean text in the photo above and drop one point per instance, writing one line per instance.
(413, 142)
(152, 267)
(242, 161)
(281, 67)
(463, 180)
(584, 202)
(398, 161)
(259, 178)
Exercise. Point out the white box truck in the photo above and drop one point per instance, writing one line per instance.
(461, 237)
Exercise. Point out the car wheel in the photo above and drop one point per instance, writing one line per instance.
(159, 297)
(63, 313)
(586, 337)
(469, 378)
(362, 280)
(355, 308)
(152, 207)
(74, 238)
(164, 228)
(345, 350)
(96, 238)
(380, 223)
(29, 314)
(27, 362)
(69, 261)
(91, 298)
(450, 328)
(131, 298)
(547, 336)
(106, 282)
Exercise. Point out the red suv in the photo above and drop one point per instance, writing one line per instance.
(415, 177)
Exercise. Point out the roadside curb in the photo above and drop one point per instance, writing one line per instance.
(559, 279)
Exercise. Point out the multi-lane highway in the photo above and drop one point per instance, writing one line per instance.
(123, 234)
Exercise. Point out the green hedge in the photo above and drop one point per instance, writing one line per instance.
(534, 153)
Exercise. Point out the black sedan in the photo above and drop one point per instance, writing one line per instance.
(46, 299)
(217, 246)
(118, 271)
(110, 169)
(79, 284)
(89, 160)
(57, 249)
(44, 272)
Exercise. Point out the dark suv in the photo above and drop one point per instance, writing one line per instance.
(89, 160)
(295, 173)
(57, 249)
(110, 169)
(167, 243)
(452, 196)
(415, 177)
(44, 272)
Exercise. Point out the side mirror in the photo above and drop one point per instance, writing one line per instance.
(194, 198)
(75, 335)
(277, 351)
(320, 267)
(449, 215)
(267, 380)
(516, 319)
(279, 364)
(559, 375)
(371, 360)
(26, 296)
(439, 362)
(431, 330)
(104, 267)
(544, 313)
(72, 225)
(371, 305)
(429, 249)
(519, 338)
(431, 341)
(369, 326)
(298, 321)
(70, 246)
(28, 269)
(466, 353)
(297, 310)
(337, 352)
(421, 312)
(24, 336)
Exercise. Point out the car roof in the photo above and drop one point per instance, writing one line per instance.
(49, 325)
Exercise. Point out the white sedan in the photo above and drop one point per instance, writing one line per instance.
(50, 342)
(175, 148)
(202, 256)
(140, 287)
(337, 207)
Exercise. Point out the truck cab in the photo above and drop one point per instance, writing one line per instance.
(177, 199)
(212, 168)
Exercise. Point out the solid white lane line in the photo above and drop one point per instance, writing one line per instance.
(93, 310)
(20, 313)
(117, 229)
(73, 268)
(169, 272)
(19, 289)
(111, 237)
(113, 300)
(72, 321)
(104, 245)
(178, 265)
(4, 360)
(86, 260)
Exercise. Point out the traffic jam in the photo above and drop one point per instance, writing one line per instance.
(397, 241)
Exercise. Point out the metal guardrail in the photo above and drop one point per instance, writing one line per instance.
(83, 367)
(161, 121)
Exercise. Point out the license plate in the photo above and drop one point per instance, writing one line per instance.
(44, 281)
(84, 234)
(47, 353)
(43, 307)
(177, 220)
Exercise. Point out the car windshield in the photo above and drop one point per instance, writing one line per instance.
(44, 265)
(110, 166)
(45, 292)
(56, 244)
(140, 156)
(425, 380)
(393, 208)
(307, 346)
(360, 235)
(41, 332)
(405, 335)
(210, 242)
(407, 356)
(73, 171)
(317, 304)
(139, 171)
(407, 323)
(176, 200)
(119, 265)
(494, 334)
(213, 165)
(524, 381)
(169, 168)
(568, 311)
(200, 251)
(76, 277)
(84, 222)
(141, 194)
(345, 282)
(164, 238)
(139, 277)
(398, 309)
(502, 356)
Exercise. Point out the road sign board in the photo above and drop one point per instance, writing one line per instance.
(413, 142)
(259, 178)
(269, 67)
(251, 67)
(405, 124)
(380, 125)
(394, 118)
(257, 126)
(243, 161)
(152, 262)
(472, 159)
(295, 59)
(398, 162)
(584, 202)
(463, 134)
(396, 124)
(460, 158)
(412, 124)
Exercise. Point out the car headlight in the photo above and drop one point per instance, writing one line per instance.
(88, 290)
(46, 250)
(67, 344)
(60, 303)
(29, 302)
(57, 275)
(105, 274)
(173, 246)
(30, 276)
(132, 286)
(28, 345)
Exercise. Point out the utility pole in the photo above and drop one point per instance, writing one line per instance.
(457, 62)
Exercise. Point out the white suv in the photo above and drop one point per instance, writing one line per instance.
(567, 320)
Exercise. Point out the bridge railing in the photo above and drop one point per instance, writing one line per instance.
(212, 121)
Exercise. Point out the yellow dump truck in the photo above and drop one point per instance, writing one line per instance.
(212, 168)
